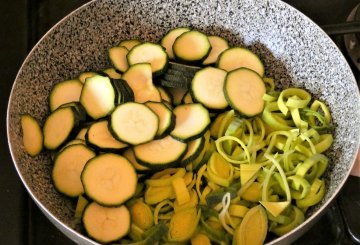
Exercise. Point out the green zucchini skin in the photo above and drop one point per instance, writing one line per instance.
(195, 154)
(230, 100)
(123, 92)
(195, 61)
(99, 149)
(160, 166)
(157, 72)
(73, 132)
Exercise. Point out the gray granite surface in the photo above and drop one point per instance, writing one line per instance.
(294, 50)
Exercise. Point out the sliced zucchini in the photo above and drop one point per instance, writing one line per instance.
(160, 154)
(123, 92)
(185, 69)
(134, 123)
(80, 110)
(87, 74)
(166, 118)
(129, 44)
(194, 149)
(218, 45)
(104, 177)
(112, 73)
(106, 224)
(177, 94)
(68, 165)
(207, 88)
(32, 135)
(234, 58)
(129, 154)
(65, 92)
(99, 137)
(98, 96)
(244, 90)
(139, 79)
(192, 121)
(82, 133)
(149, 53)
(187, 99)
(81, 204)
(168, 40)
(191, 47)
(59, 126)
(117, 57)
(164, 94)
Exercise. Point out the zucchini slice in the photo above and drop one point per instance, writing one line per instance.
(164, 94)
(149, 53)
(218, 45)
(207, 88)
(129, 155)
(68, 165)
(98, 96)
(191, 47)
(193, 151)
(129, 44)
(82, 133)
(106, 224)
(134, 123)
(112, 73)
(82, 77)
(177, 94)
(123, 92)
(65, 92)
(139, 79)
(168, 40)
(32, 135)
(160, 154)
(59, 126)
(192, 121)
(244, 90)
(117, 56)
(187, 99)
(166, 117)
(99, 137)
(234, 58)
(105, 176)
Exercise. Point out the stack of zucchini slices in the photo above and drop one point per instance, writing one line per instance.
(151, 111)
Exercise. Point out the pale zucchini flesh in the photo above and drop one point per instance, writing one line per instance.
(207, 88)
(234, 58)
(193, 151)
(160, 154)
(32, 135)
(65, 92)
(99, 137)
(129, 154)
(168, 40)
(83, 76)
(117, 56)
(134, 123)
(151, 53)
(139, 79)
(192, 121)
(244, 90)
(106, 224)
(112, 73)
(129, 44)
(192, 47)
(98, 96)
(104, 177)
(218, 45)
(177, 94)
(166, 117)
(164, 94)
(68, 165)
(54, 135)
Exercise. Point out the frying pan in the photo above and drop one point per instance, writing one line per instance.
(294, 50)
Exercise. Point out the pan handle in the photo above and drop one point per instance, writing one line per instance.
(342, 28)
